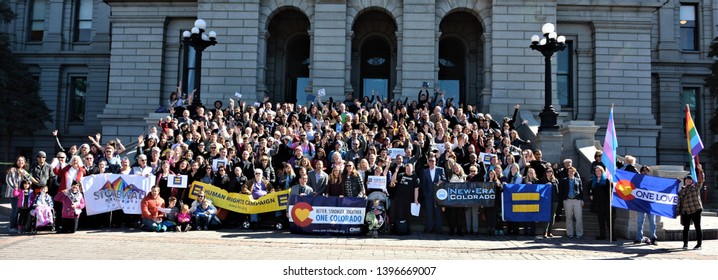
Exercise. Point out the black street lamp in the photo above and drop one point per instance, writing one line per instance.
(199, 41)
(548, 45)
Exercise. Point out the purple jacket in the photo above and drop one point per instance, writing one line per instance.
(24, 201)
(67, 211)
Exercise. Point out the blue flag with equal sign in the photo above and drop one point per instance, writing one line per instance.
(648, 194)
(527, 202)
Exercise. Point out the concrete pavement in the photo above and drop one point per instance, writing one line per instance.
(237, 244)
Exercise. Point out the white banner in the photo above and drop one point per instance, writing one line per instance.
(376, 182)
(393, 152)
(177, 181)
(333, 215)
(109, 192)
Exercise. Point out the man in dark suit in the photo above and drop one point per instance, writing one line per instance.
(433, 175)
(318, 179)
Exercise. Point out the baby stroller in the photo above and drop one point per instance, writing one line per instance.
(41, 218)
(376, 215)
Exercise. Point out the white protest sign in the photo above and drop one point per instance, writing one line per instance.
(485, 158)
(376, 182)
(177, 181)
(393, 152)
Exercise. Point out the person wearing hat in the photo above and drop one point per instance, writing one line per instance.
(690, 208)
(40, 172)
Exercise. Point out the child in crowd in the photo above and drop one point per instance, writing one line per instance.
(203, 215)
(170, 220)
(43, 209)
(25, 198)
(183, 219)
(378, 210)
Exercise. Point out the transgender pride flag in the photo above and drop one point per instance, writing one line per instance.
(695, 145)
(610, 143)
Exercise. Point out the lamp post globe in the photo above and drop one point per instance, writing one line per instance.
(199, 40)
(547, 45)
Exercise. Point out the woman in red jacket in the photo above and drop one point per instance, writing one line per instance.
(69, 173)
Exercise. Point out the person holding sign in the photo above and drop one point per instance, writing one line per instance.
(161, 180)
(257, 187)
(406, 187)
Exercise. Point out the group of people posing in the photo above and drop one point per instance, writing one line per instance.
(330, 149)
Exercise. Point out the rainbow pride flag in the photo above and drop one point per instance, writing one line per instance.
(695, 145)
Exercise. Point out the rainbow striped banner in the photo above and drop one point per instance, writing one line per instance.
(610, 143)
(695, 145)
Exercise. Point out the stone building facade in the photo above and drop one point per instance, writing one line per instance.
(646, 57)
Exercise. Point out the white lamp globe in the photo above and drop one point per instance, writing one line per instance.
(548, 28)
(200, 23)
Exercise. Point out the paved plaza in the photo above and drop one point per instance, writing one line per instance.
(237, 244)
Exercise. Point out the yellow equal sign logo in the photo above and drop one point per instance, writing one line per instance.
(523, 208)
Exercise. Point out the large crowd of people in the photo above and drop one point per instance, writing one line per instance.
(328, 148)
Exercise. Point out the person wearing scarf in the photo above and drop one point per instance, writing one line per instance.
(72, 204)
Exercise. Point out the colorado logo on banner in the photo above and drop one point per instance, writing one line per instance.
(527, 202)
(326, 215)
(646, 194)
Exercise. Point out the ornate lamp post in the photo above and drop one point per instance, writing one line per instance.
(199, 41)
(548, 45)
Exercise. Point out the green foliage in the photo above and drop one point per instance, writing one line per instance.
(6, 14)
(23, 111)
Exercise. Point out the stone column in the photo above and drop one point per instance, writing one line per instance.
(348, 62)
(52, 39)
(667, 44)
(625, 80)
(484, 99)
(399, 62)
(512, 60)
(262, 63)
(233, 64)
(329, 67)
(418, 45)
(135, 60)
